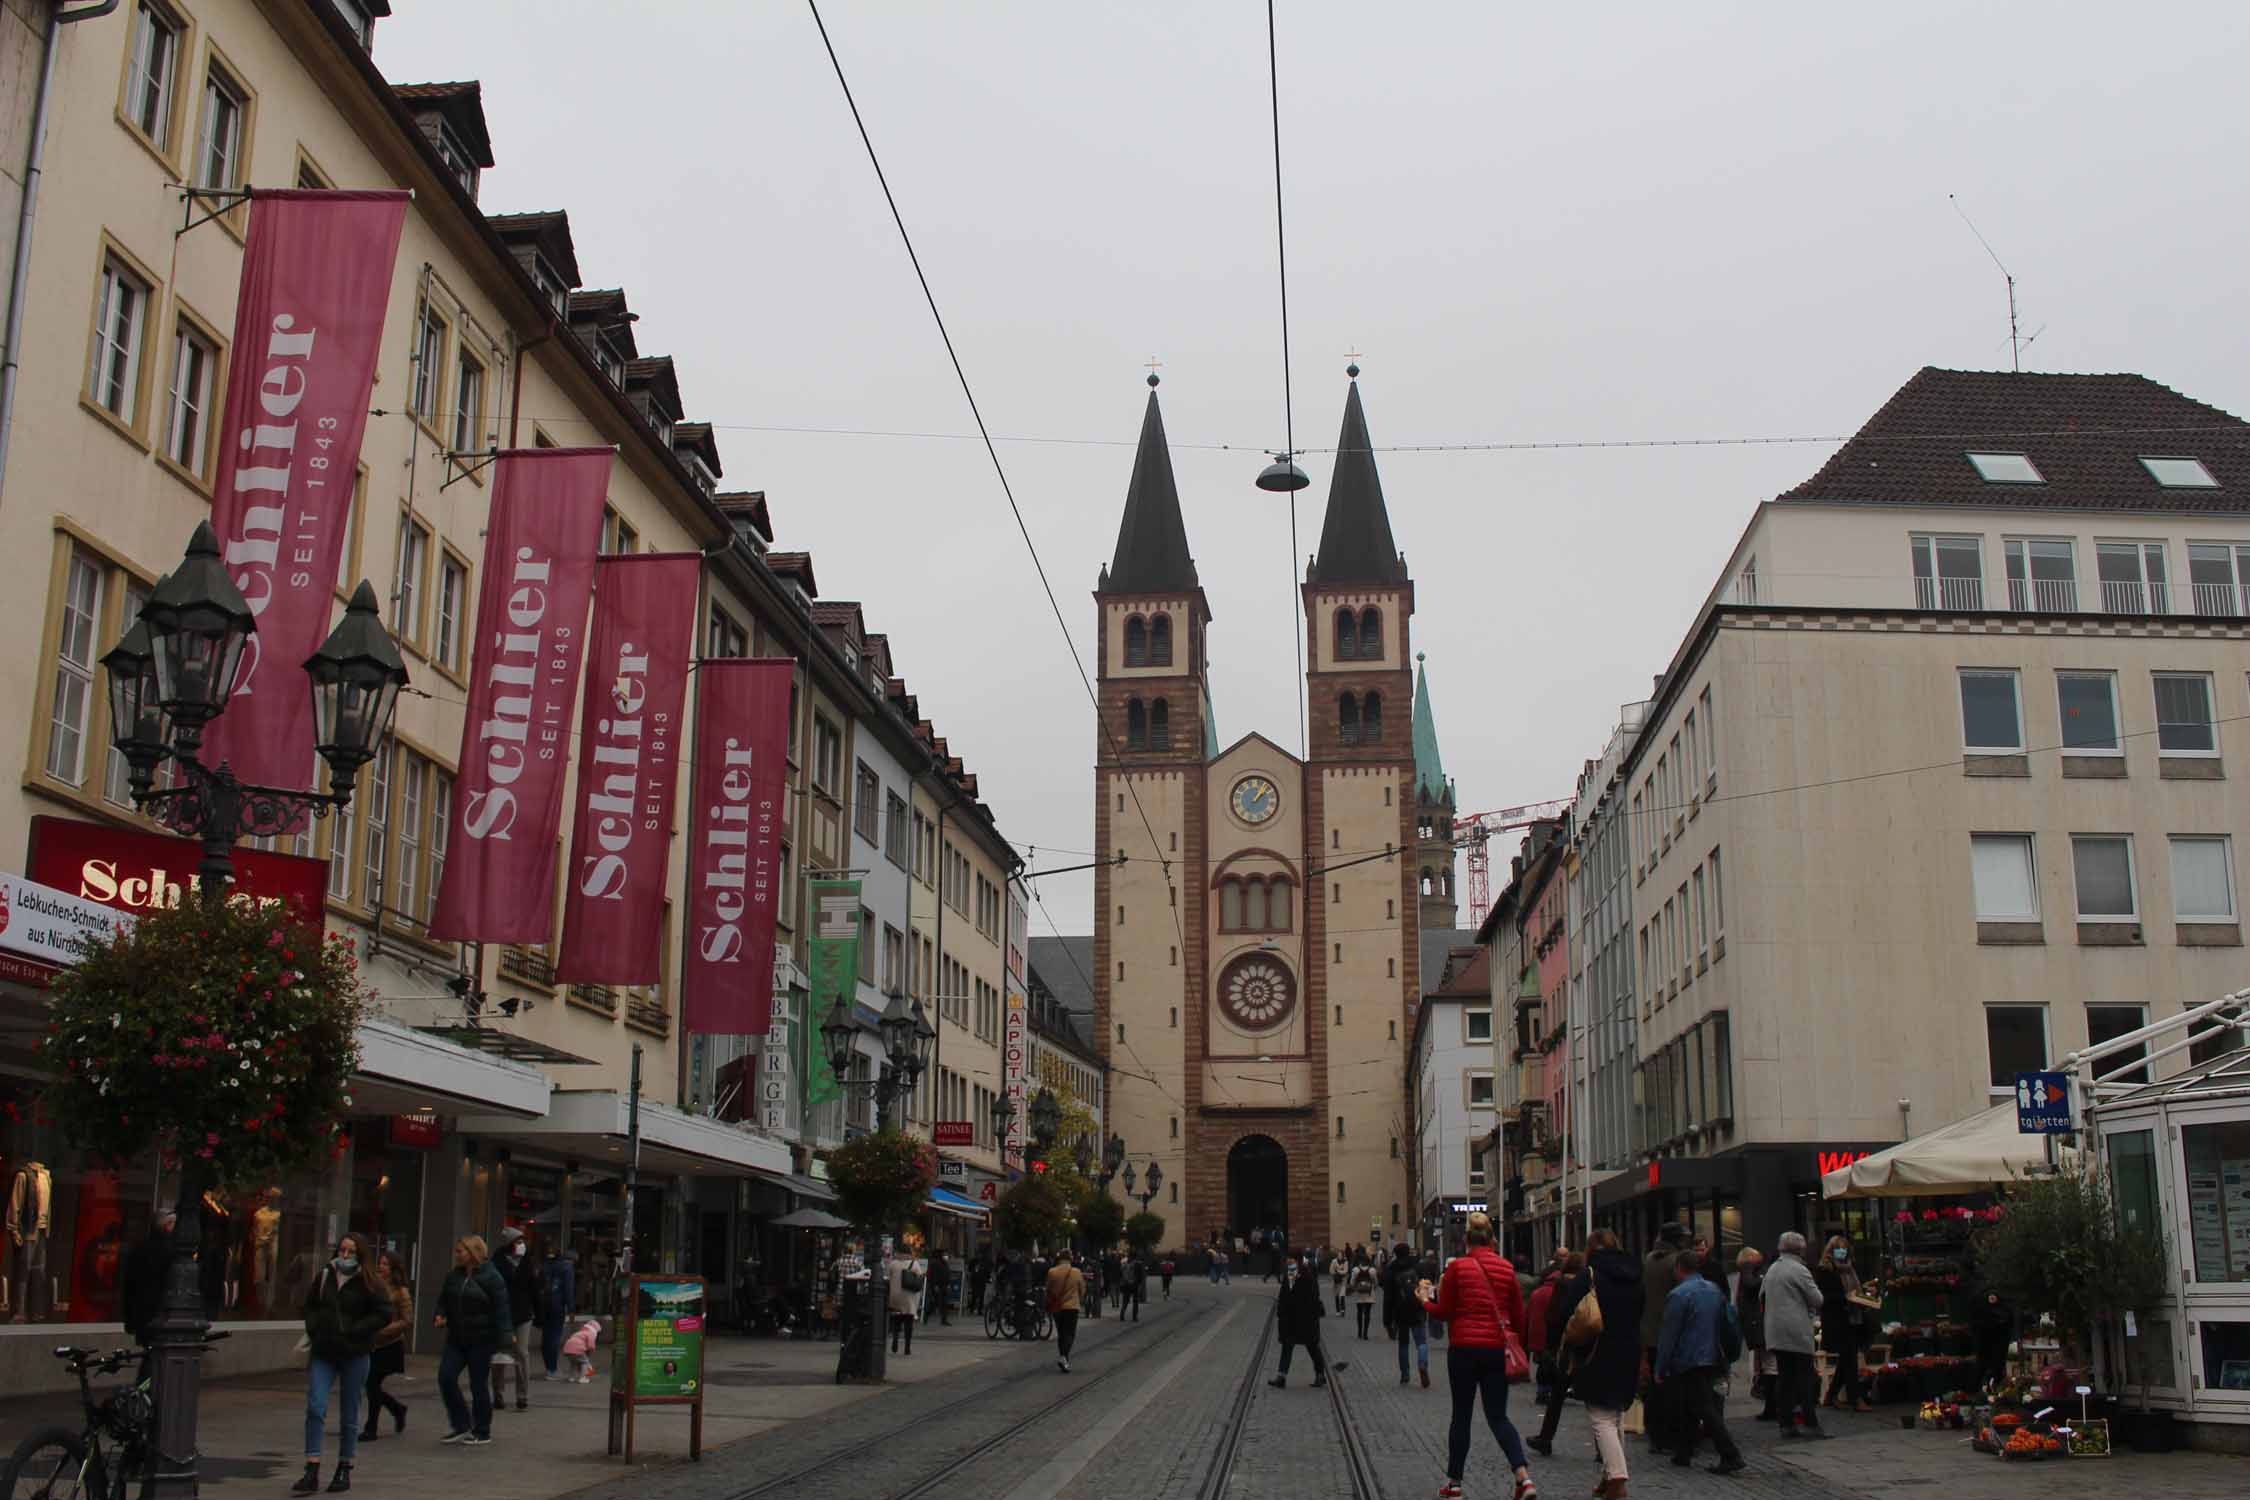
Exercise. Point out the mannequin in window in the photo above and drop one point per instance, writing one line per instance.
(30, 1220)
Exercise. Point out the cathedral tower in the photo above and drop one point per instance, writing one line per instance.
(1434, 810)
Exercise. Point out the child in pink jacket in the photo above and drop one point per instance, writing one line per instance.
(580, 1347)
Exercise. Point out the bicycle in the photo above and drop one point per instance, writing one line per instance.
(104, 1462)
(1017, 1318)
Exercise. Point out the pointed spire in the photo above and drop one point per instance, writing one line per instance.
(1355, 540)
(1152, 548)
(1429, 770)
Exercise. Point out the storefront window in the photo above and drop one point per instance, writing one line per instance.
(2226, 1355)
(2148, 1352)
(2132, 1158)
(596, 1221)
(386, 1187)
(69, 1225)
(2218, 1186)
(534, 1202)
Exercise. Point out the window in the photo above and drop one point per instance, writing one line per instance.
(2103, 866)
(866, 946)
(1371, 719)
(1136, 725)
(452, 602)
(2202, 878)
(725, 637)
(1710, 741)
(1476, 1164)
(2015, 1041)
(412, 778)
(120, 315)
(2005, 468)
(828, 755)
(413, 568)
(2219, 578)
(1478, 1024)
(218, 161)
(1991, 711)
(2088, 704)
(2108, 1022)
(2184, 722)
(440, 829)
(894, 829)
(1746, 583)
(152, 65)
(342, 824)
(1702, 913)
(2041, 576)
(1693, 747)
(1347, 719)
(1718, 898)
(894, 959)
(2004, 876)
(375, 811)
(1347, 635)
(867, 804)
(187, 410)
(1159, 725)
(71, 712)
(1230, 905)
(468, 402)
(2213, 1156)
(1948, 572)
(2179, 473)
(1160, 641)
(2133, 577)
(1136, 642)
(1370, 634)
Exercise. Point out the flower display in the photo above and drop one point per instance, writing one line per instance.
(882, 1179)
(220, 1033)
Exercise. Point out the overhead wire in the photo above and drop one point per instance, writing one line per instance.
(1288, 400)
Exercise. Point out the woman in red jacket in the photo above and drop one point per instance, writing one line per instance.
(1480, 1302)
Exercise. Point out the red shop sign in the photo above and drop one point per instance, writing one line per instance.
(954, 1133)
(419, 1132)
(143, 871)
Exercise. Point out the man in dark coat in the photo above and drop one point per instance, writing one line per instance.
(1570, 1289)
(1656, 1284)
(1299, 1313)
(935, 1304)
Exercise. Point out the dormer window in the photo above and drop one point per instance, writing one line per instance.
(551, 285)
(2179, 473)
(361, 21)
(2006, 468)
(612, 363)
(458, 159)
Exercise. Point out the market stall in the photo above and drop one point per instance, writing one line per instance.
(1979, 1154)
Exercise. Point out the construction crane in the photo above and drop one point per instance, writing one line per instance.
(1473, 831)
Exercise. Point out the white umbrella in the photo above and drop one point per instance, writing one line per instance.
(1976, 1155)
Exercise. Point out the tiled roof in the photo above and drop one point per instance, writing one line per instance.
(748, 505)
(1472, 974)
(2085, 434)
(462, 104)
(797, 566)
(656, 372)
(697, 435)
(605, 308)
(1437, 946)
(549, 230)
(840, 614)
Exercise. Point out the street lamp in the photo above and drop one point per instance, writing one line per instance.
(1083, 1154)
(168, 678)
(1155, 1181)
(1113, 1157)
(1003, 1114)
(1046, 1120)
(907, 1034)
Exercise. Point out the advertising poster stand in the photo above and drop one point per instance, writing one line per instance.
(659, 1357)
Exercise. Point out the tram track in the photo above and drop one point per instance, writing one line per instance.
(1365, 1484)
(1221, 1472)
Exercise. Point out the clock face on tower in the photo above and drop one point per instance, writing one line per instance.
(1255, 799)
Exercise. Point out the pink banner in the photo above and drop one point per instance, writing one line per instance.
(734, 863)
(628, 767)
(539, 546)
(308, 323)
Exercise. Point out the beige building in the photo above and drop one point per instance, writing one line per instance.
(1257, 954)
(1945, 782)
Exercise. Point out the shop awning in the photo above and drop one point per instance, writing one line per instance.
(1976, 1155)
(404, 1071)
(948, 1201)
(592, 1124)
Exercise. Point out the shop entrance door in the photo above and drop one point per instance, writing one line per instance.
(1258, 1185)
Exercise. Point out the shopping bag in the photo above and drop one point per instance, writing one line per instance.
(1635, 1420)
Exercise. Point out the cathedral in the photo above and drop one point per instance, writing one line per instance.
(1260, 918)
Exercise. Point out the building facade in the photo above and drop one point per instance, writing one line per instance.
(1455, 1094)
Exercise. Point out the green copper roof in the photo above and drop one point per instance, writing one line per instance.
(1429, 770)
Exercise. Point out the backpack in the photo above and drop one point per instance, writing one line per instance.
(1730, 1335)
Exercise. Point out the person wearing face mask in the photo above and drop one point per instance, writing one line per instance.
(1842, 1324)
(349, 1305)
(520, 1272)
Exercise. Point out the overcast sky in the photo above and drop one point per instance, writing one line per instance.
(1533, 223)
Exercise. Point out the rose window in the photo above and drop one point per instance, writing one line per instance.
(1257, 993)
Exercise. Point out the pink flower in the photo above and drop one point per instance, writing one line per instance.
(204, 1152)
(211, 1137)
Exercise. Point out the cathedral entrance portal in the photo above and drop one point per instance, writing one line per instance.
(1258, 1185)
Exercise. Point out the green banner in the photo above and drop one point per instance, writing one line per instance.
(834, 965)
(667, 1339)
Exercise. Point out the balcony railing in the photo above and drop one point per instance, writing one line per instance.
(2052, 596)
(1949, 593)
(2123, 597)
(2222, 600)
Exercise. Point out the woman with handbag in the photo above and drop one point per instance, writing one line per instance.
(1843, 1324)
(1481, 1304)
(389, 1356)
(1601, 1344)
(347, 1306)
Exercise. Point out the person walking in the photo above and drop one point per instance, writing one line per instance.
(1656, 1285)
(1339, 1272)
(1066, 1295)
(347, 1306)
(1842, 1325)
(558, 1299)
(1691, 1355)
(1750, 1313)
(937, 1297)
(517, 1269)
(1481, 1304)
(1226, 1268)
(1136, 1286)
(1535, 1341)
(472, 1309)
(1792, 1301)
(1994, 1322)
(1298, 1313)
(980, 1272)
(388, 1357)
(1548, 1322)
(1602, 1341)
(1362, 1284)
(907, 1281)
(1090, 1272)
(1165, 1268)
(1404, 1318)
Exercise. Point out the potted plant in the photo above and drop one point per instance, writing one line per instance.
(882, 1180)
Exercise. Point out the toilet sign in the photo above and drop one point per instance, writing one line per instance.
(2043, 1104)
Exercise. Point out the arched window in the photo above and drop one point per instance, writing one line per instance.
(1136, 642)
(1254, 905)
(1136, 726)
(1159, 725)
(1160, 641)
(1278, 904)
(1347, 636)
(1429, 886)
(1230, 906)
(1449, 884)
(1347, 719)
(1370, 633)
(1371, 719)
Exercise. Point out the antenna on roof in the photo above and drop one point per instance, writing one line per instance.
(2016, 343)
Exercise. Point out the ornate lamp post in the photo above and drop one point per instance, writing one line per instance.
(1046, 1121)
(1113, 1157)
(1155, 1181)
(1003, 1115)
(168, 679)
(907, 1034)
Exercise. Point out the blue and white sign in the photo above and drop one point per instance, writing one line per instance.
(2043, 1104)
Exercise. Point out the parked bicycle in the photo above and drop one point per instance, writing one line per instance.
(1018, 1317)
(103, 1462)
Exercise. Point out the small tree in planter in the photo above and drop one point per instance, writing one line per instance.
(1032, 1212)
(882, 1180)
(1144, 1231)
(223, 1034)
(2061, 1248)
(1101, 1219)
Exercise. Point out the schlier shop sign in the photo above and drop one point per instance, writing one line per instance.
(117, 867)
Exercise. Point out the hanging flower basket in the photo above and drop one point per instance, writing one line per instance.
(882, 1180)
(222, 1034)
